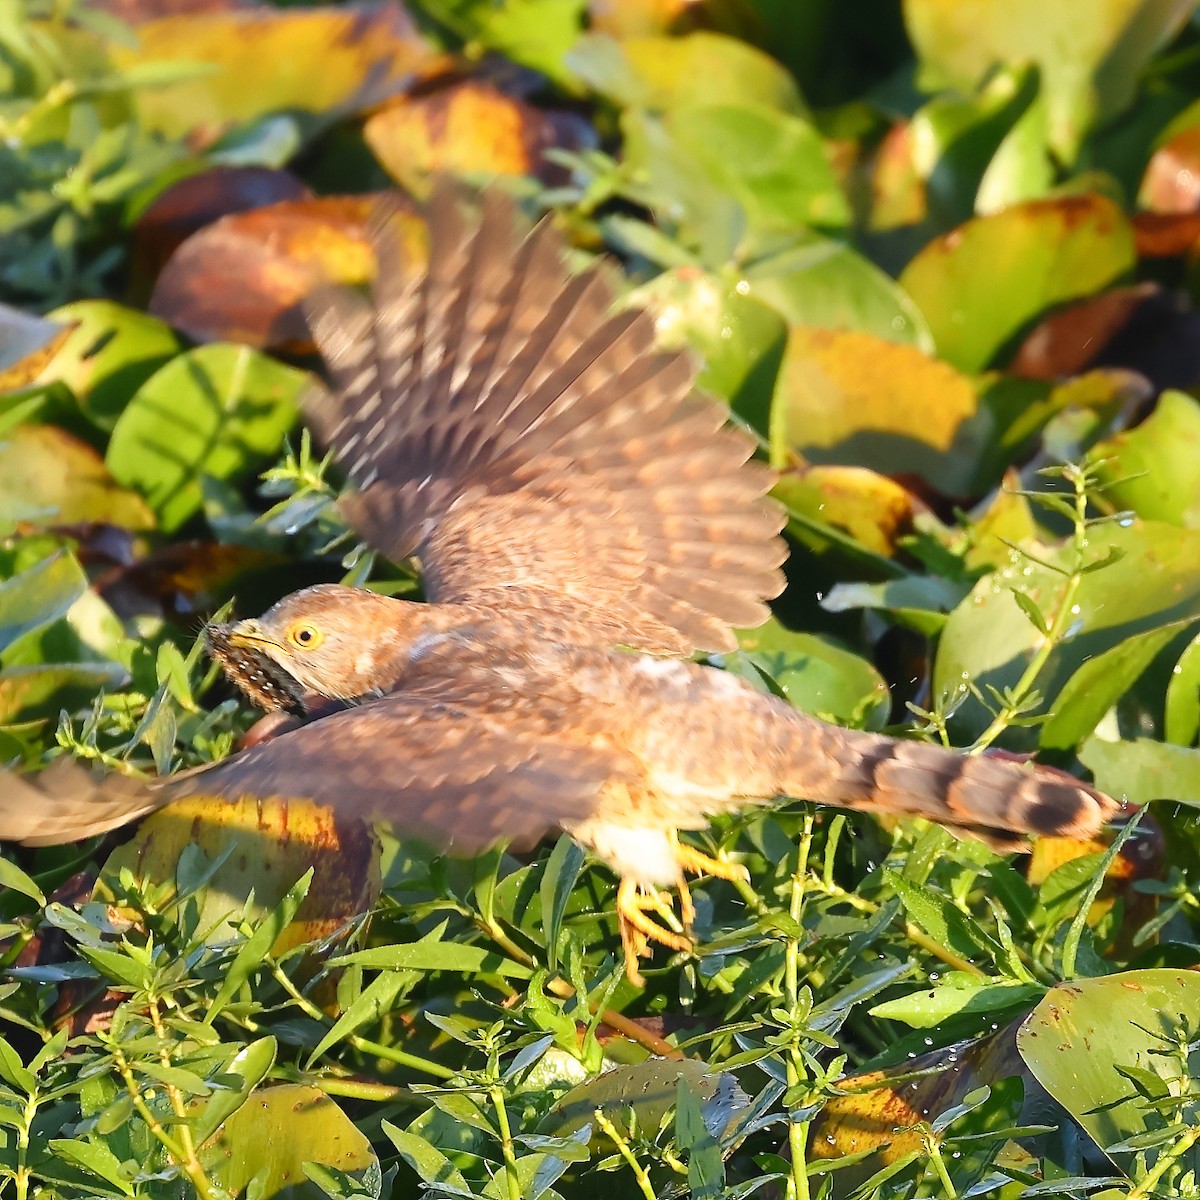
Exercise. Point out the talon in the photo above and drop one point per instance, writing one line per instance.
(691, 859)
(638, 930)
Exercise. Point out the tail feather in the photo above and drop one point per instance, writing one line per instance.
(998, 799)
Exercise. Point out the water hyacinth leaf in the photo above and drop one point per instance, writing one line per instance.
(851, 398)
(872, 510)
(1090, 59)
(1143, 770)
(1033, 255)
(927, 1009)
(280, 253)
(51, 477)
(471, 128)
(663, 73)
(1100, 682)
(216, 410)
(286, 1126)
(1089, 1042)
(825, 283)
(818, 676)
(1181, 722)
(109, 352)
(275, 843)
(1154, 468)
(322, 60)
(1148, 580)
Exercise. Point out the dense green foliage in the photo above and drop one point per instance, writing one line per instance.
(941, 257)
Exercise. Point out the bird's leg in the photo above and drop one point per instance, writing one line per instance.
(638, 929)
(691, 859)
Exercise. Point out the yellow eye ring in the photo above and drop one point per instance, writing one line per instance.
(305, 636)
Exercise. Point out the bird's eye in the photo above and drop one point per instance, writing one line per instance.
(304, 636)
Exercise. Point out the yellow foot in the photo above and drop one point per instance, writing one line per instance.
(638, 930)
(690, 859)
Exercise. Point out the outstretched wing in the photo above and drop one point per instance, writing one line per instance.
(456, 761)
(532, 448)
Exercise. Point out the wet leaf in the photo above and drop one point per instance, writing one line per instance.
(1181, 722)
(278, 253)
(1086, 1036)
(1171, 183)
(851, 398)
(1154, 469)
(1090, 59)
(49, 477)
(471, 127)
(322, 60)
(1033, 255)
(818, 676)
(824, 283)
(37, 597)
(273, 844)
(215, 410)
(988, 640)
(286, 1126)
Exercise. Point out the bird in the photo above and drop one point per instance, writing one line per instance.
(586, 525)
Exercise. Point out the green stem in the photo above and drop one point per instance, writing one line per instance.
(626, 1152)
(797, 1187)
(939, 1164)
(1057, 628)
(366, 1046)
(511, 1174)
(1165, 1161)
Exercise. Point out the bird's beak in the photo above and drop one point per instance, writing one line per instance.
(248, 635)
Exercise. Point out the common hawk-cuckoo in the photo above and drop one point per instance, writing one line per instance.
(584, 523)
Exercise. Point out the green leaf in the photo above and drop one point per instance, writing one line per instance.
(1100, 682)
(12, 877)
(435, 956)
(38, 596)
(825, 283)
(1033, 255)
(941, 919)
(816, 675)
(928, 1008)
(1154, 468)
(1141, 770)
(706, 1171)
(562, 870)
(428, 1161)
(249, 1066)
(217, 410)
(1182, 719)
(96, 1157)
(1083, 1033)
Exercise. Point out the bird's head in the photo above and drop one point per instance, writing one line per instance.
(322, 643)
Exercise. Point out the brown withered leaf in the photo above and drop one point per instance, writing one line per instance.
(243, 277)
(470, 126)
(1171, 183)
(192, 203)
(1071, 339)
(1165, 235)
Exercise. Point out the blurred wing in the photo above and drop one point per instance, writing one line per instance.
(531, 447)
(449, 772)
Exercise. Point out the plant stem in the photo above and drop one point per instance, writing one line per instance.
(1166, 1160)
(626, 1152)
(512, 1175)
(797, 1187)
(192, 1164)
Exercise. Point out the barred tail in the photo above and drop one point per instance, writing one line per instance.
(997, 799)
